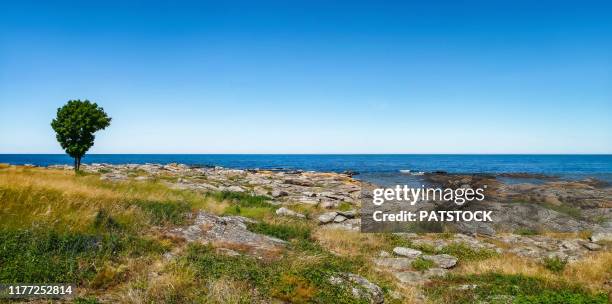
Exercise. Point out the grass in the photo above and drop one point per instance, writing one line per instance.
(554, 264)
(591, 272)
(163, 213)
(107, 237)
(526, 231)
(243, 204)
(293, 279)
(422, 264)
(565, 209)
(48, 256)
(506, 288)
(284, 231)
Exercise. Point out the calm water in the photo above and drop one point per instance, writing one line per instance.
(377, 168)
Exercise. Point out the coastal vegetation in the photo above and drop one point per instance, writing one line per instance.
(114, 240)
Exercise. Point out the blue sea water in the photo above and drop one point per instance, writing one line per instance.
(380, 168)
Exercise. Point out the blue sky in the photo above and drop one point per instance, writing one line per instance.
(312, 76)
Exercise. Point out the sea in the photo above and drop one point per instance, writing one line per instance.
(382, 169)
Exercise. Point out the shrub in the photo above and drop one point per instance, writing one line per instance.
(526, 231)
(554, 264)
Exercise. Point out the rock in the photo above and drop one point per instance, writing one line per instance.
(348, 214)
(282, 211)
(339, 218)
(383, 254)
(407, 252)
(445, 261)
(228, 232)
(416, 278)
(350, 224)
(327, 217)
(279, 193)
(601, 236)
(592, 246)
(395, 264)
(298, 182)
(328, 204)
(234, 189)
(368, 290)
(361, 288)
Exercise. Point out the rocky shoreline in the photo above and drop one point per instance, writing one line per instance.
(526, 213)
(553, 206)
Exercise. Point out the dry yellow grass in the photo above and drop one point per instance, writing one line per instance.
(349, 243)
(59, 199)
(592, 272)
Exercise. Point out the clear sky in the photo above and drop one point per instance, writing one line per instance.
(312, 76)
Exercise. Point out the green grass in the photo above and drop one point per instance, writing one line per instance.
(422, 264)
(165, 213)
(288, 279)
(283, 231)
(500, 288)
(466, 253)
(244, 204)
(461, 251)
(240, 199)
(526, 231)
(565, 209)
(50, 257)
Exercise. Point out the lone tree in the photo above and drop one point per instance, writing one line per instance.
(75, 125)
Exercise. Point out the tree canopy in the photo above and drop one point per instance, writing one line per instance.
(75, 125)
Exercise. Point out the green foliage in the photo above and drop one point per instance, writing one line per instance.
(554, 264)
(526, 231)
(422, 264)
(284, 231)
(75, 125)
(501, 288)
(165, 213)
(50, 257)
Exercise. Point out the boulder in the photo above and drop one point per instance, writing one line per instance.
(279, 193)
(601, 236)
(360, 287)
(339, 218)
(327, 217)
(445, 261)
(282, 211)
(407, 252)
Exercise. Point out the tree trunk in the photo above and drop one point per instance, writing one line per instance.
(78, 163)
(76, 168)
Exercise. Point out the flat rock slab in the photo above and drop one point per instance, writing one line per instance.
(442, 260)
(416, 278)
(395, 264)
(407, 252)
(228, 232)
